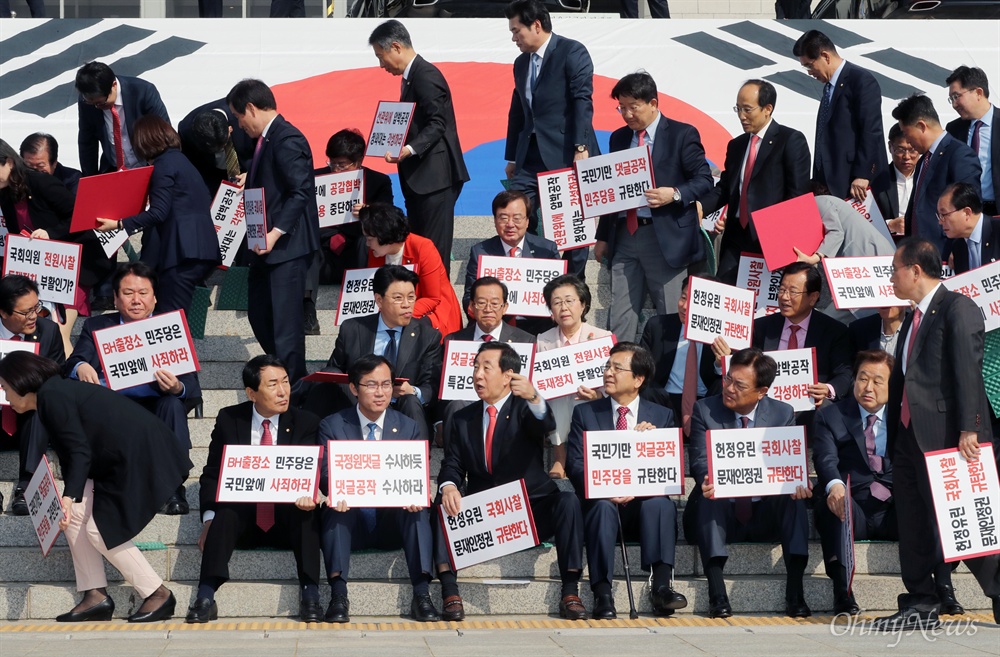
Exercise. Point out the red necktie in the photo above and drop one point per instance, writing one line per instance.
(747, 170)
(878, 490)
(904, 413)
(632, 216)
(487, 337)
(690, 391)
(265, 511)
(744, 505)
(116, 127)
(8, 418)
(622, 424)
(514, 252)
(492, 412)
(793, 339)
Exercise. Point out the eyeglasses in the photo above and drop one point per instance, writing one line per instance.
(942, 216)
(31, 312)
(621, 109)
(615, 367)
(372, 386)
(783, 291)
(953, 98)
(483, 304)
(399, 300)
(559, 303)
(744, 111)
(340, 165)
(902, 152)
(728, 381)
(513, 219)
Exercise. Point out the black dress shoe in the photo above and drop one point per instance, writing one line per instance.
(310, 323)
(310, 611)
(666, 601)
(797, 608)
(949, 605)
(719, 607)
(18, 505)
(339, 610)
(202, 611)
(175, 506)
(452, 608)
(846, 605)
(161, 613)
(422, 609)
(571, 608)
(906, 619)
(102, 611)
(604, 607)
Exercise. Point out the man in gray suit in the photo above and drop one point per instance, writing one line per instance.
(937, 400)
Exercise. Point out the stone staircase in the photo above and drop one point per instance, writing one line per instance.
(263, 584)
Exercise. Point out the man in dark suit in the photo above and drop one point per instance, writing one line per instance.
(170, 397)
(937, 400)
(975, 236)
(413, 346)
(344, 528)
(893, 188)
(651, 520)
(40, 151)
(663, 336)
(282, 167)
(944, 160)
(849, 150)
(551, 119)
(969, 94)
(878, 331)
(649, 250)
(108, 108)
(212, 139)
(431, 166)
(267, 419)
(778, 170)
(20, 320)
(498, 441)
(744, 404)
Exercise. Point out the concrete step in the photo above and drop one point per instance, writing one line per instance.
(241, 348)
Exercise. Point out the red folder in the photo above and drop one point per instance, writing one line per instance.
(795, 222)
(339, 377)
(110, 196)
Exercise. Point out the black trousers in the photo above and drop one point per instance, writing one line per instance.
(774, 518)
(651, 520)
(175, 286)
(288, 9)
(394, 529)
(874, 520)
(210, 8)
(433, 216)
(274, 309)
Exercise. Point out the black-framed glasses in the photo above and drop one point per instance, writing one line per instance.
(36, 311)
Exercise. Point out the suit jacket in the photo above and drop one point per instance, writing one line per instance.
(418, 355)
(232, 427)
(866, 333)
(85, 351)
(597, 416)
(853, 143)
(204, 162)
(139, 98)
(534, 247)
(518, 440)
(177, 225)
(346, 425)
(438, 162)
(678, 161)
(710, 413)
(436, 298)
(563, 114)
(68, 176)
(132, 456)
(50, 205)
(839, 450)
(989, 245)
(959, 129)
(508, 333)
(885, 193)
(49, 339)
(827, 335)
(780, 172)
(944, 375)
(660, 337)
(284, 171)
(952, 162)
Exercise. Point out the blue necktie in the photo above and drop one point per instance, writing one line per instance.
(368, 515)
(534, 69)
(390, 348)
(824, 106)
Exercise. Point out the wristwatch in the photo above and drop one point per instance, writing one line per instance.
(581, 148)
(533, 399)
(677, 195)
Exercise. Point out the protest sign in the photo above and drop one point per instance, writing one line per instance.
(255, 216)
(131, 353)
(861, 282)
(562, 218)
(966, 502)
(44, 505)
(54, 266)
(796, 372)
(357, 294)
(757, 462)
(868, 209)
(525, 279)
(716, 309)
(279, 473)
(982, 285)
(559, 372)
(111, 240)
(8, 346)
(633, 463)
(456, 375)
(389, 128)
(229, 219)
(847, 557)
(614, 182)
(491, 524)
(336, 196)
(754, 275)
(379, 473)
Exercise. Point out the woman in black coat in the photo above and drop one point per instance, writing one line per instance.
(178, 237)
(119, 465)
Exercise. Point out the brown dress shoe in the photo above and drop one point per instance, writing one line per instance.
(571, 608)
(453, 609)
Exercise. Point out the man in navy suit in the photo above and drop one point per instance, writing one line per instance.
(744, 404)
(974, 235)
(431, 165)
(109, 105)
(653, 520)
(893, 188)
(40, 151)
(343, 528)
(498, 441)
(944, 160)
(212, 139)
(551, 119)
(969, 94)
(282, 166)
(850, 143)
(649, 251)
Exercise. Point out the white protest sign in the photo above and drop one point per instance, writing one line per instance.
(44, 505)
(54, 266)
(716, 309)
(379, 473)
(757, 462)
(456, 375)
(868, 209)
(562, 218)
(966, 502)
(633, 463)
(132, 352)
(525, 279)
(389, 128)
(8, 346)
(336, 195)
(861, 282)
(614, 182)
(708, 221)
(3, 233)
(796, 372)
(753, 275)
(847, 557)
(357, 295)
(982, 285)
(559, 372)
(269, 473)
(228, 217)
(491, 524)
(255, 215)
(111, 240)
